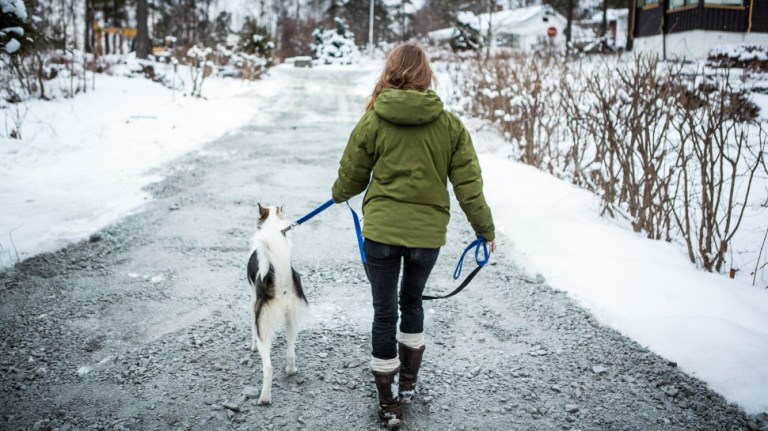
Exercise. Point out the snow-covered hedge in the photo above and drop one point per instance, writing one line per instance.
(742, 55)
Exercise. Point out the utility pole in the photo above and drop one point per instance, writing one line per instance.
(370, 30)
(569, 29)
(142, 33)
(604, 28)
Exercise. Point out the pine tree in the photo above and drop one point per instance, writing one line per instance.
(15, 28)
(256, 40)
(335, 46)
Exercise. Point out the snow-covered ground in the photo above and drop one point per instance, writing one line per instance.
(83, 164)
(715, 328)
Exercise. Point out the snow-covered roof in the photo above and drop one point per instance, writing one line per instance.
(442, 34)
(612, 15)
(505, 18)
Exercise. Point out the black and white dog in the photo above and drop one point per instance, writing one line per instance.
(277, 294)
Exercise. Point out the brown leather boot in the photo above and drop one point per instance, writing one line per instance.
(410, 362)
(389, 399)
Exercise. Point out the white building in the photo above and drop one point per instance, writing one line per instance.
(618, 26)
(527, 28)
(689, 29)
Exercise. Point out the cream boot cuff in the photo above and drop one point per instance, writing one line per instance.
(414, 341)
(384, 365)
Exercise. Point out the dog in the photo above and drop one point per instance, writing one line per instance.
(278, 297)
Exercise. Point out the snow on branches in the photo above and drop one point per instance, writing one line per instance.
(12, 17)
(335, 46)
(677, 150)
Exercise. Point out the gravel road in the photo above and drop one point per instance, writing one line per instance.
(146, 325)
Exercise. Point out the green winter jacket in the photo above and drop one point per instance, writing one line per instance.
(412, 147)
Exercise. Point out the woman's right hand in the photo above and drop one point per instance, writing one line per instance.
(491, 245)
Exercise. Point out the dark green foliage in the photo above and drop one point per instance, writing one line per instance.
(222, 27)
(357, 14)
(21, 35)
(255, 39)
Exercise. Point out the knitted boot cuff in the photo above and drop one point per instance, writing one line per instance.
(414, 341)
(384, 365)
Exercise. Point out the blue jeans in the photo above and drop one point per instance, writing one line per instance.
(384, 262)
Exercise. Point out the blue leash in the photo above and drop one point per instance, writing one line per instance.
(313, 213)
(359, 234)
(478, 244)
(325, 206)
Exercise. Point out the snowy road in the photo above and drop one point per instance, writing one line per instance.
(146, 326)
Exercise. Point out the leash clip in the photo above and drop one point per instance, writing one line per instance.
(289, 228)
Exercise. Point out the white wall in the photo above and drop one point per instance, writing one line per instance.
(694, 44)
(531, 30)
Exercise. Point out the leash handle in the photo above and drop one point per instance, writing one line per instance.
(480, 241)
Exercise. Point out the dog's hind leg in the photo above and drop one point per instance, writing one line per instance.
(291, 331)
(264, 347)
(254, 329)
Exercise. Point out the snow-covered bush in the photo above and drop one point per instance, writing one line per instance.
(675, 149)
(743, 55)
(200, 67)
(335, 46)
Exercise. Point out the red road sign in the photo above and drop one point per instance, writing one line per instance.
(552, 32)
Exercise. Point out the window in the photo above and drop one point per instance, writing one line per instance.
(510, 40)
(724, 2)
(644, 3)
(676, 4)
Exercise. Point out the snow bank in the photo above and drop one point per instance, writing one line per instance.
(715, 328)
(84, 161)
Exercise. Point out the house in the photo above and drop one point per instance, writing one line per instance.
(617, 21)
(688, 29)
(526, 28)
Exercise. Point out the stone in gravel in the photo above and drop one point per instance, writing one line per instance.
(628, 378)
(96, 237)
(216, 367)
(322, 355)
(571, 408)
(251, 392)
(231, 405)
(556, 388)
(599, 369)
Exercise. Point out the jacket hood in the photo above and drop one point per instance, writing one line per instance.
(409, 107)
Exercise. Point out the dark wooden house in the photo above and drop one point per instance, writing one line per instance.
(690, 28)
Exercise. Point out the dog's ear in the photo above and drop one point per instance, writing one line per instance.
(263, 213)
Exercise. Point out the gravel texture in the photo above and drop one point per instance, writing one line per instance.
(146, 326)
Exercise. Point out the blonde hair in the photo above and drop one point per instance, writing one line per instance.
(407, 68)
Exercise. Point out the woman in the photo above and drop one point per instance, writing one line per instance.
(412, 147)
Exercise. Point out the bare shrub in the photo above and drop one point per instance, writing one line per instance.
(674, 150)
